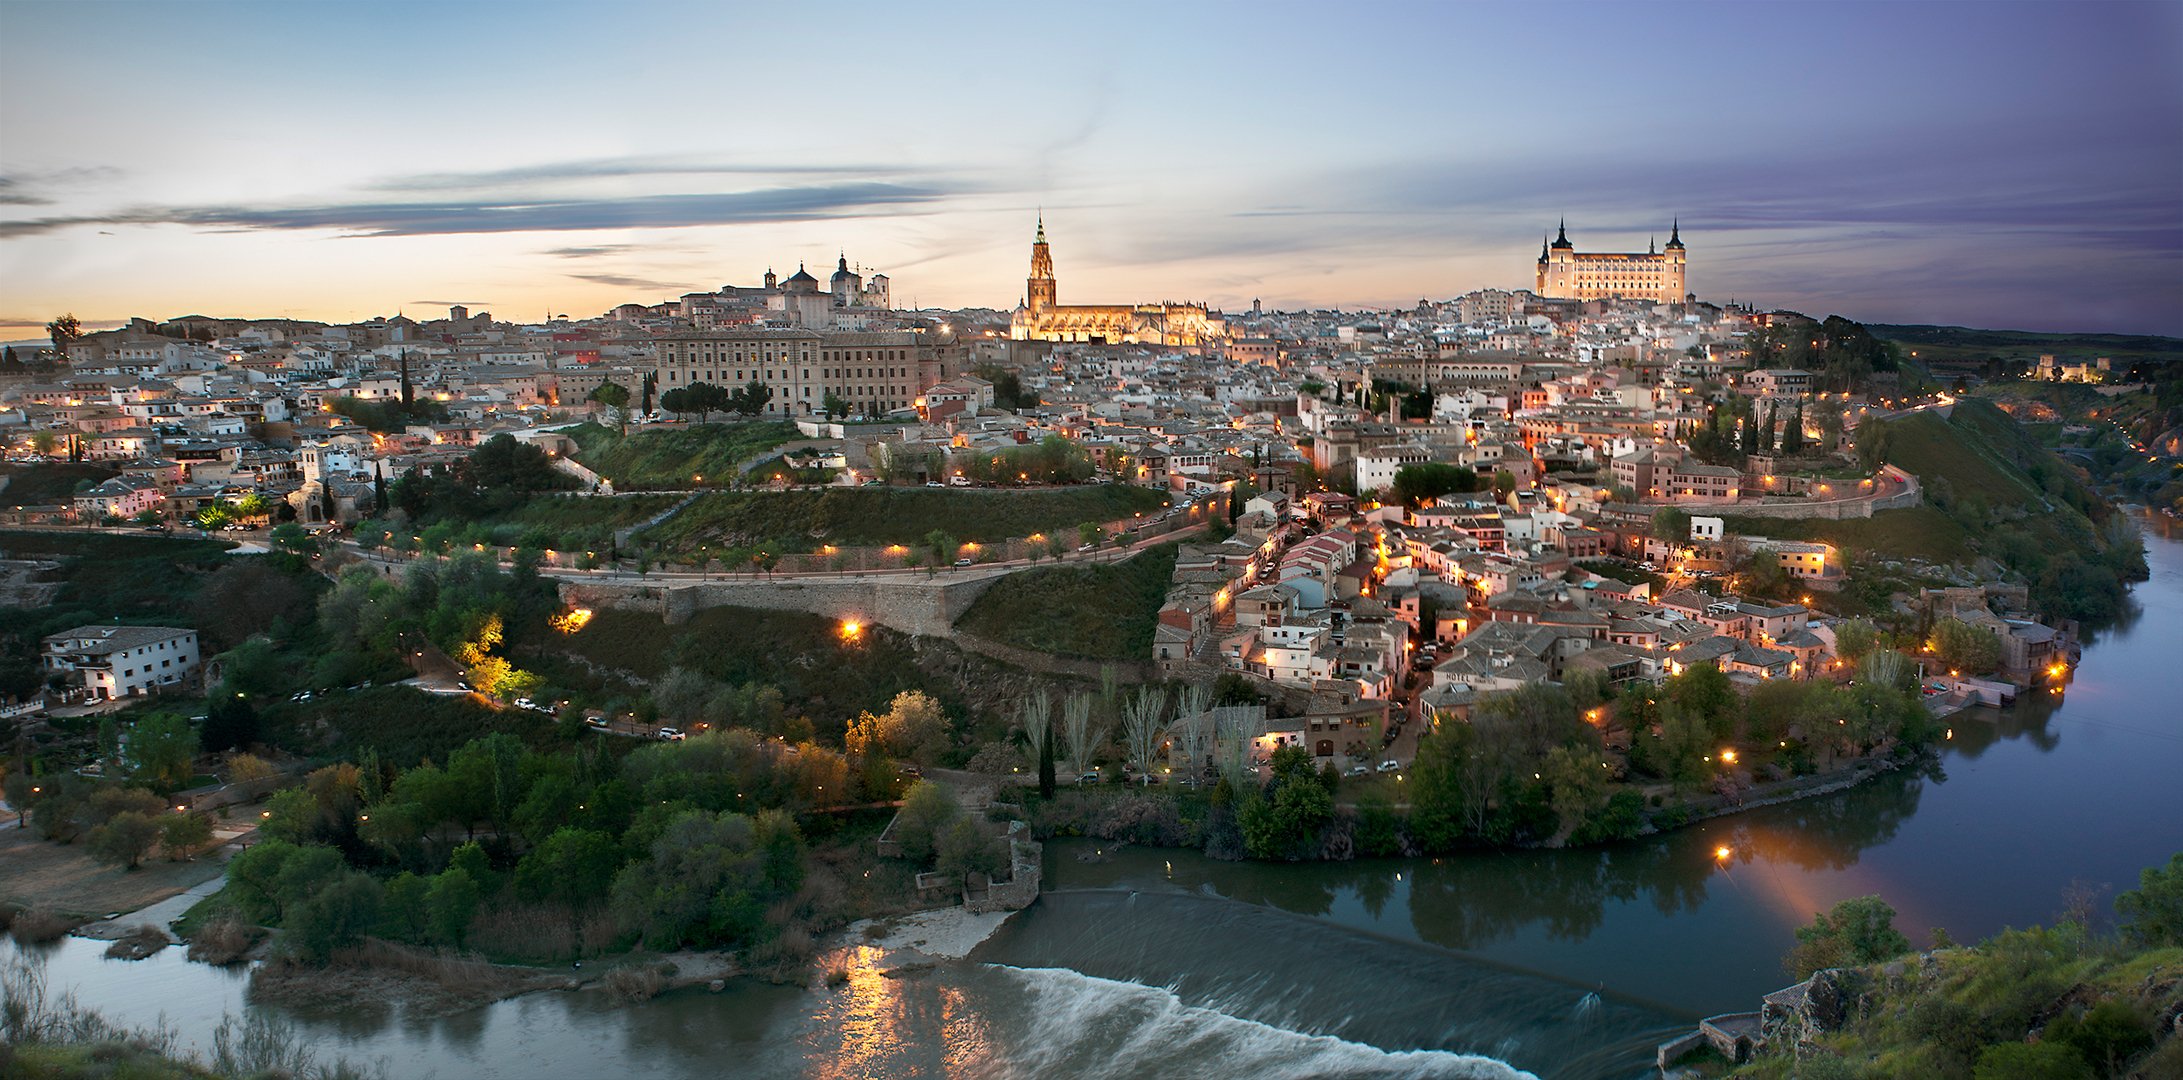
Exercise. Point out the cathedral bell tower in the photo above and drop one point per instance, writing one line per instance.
(1039, 288)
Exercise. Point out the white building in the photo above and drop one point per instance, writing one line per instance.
(122, 661)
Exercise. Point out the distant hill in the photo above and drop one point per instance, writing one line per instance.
(1963, 344)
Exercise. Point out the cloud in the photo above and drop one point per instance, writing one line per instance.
(624, 281)
(781, 204)
(16, 189)
(620, 169)
(453, 303)
(590, 252)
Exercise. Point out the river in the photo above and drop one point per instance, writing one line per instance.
(1562, 964)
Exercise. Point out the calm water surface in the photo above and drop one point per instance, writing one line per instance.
(1155, 963)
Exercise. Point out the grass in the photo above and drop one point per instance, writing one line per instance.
(819, 675)
(404, 725)
(64, 879)
(132, 579)
(1920, 532)
(1105, 611)
(48, 484)
(670, 457)
(802, 520)
(570, 512)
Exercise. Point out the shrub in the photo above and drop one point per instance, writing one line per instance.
(632, 984)
(36, 926)
(224, 940)
(2031, 1061)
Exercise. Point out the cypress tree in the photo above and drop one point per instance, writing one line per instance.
(1046, 763)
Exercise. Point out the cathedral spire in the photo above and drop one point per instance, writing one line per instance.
(1675, 236)
(1041, 226)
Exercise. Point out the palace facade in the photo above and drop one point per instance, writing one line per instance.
(1043, 318)
(1659, 276)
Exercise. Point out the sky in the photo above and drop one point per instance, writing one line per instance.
(1992, 165)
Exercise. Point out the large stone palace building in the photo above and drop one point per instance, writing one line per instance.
(1659, 276)
(1043, 318)
(875, 373)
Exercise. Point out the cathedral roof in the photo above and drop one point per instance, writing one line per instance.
(1561, 238)
(801, 277)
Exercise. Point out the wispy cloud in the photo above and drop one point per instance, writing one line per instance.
(624, 169)
(780, 204)
(453, 303)
(625, 281)
(592, 251)
(32, 188)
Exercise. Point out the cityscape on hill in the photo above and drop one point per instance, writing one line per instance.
(1687, 650)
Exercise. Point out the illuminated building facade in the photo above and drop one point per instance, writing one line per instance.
(1044, 318)
(1658, 276)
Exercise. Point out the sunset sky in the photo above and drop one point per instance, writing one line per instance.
(1982, 164)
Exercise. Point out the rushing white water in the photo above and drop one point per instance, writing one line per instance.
(1079, 1025)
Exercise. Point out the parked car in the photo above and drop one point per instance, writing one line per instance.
(958, 481)
(1361, 770)
(669, 734)
(934, 483)
(1390, 765)
(962, 562)
(598, 722)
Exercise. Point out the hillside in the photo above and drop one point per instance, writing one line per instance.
(789, 521)
(1966, 345)
(1101, 612)
(1993, 490)
(672, 457)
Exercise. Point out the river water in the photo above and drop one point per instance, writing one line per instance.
(1561, 964)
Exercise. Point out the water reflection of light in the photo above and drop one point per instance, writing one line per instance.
(866, 1011)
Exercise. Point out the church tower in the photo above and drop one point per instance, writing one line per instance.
(1039, 289)
(1557, 277)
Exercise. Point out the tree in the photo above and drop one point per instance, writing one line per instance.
(1504, 482)
(124, 838)
(835, 405)
(650, 384)
(1852, 934)
(1078, 730)
(450, 904)
(65, 332)
(941, 545)
(1855, 638)
(1088, 534)
(913, 727)
(1414, 484)
(614, 396)
(963, 847)
(334, 917)
(1142, 729)
(926, 812)
(573, 866)
(183, 834)
(162, 749)
(1294, 808)
(1670, 524)
(1038, 737)
(2153, 911)
(752, 398)
(1964, 647)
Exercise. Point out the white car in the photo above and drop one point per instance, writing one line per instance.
(1390, 765)
(671, 734)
